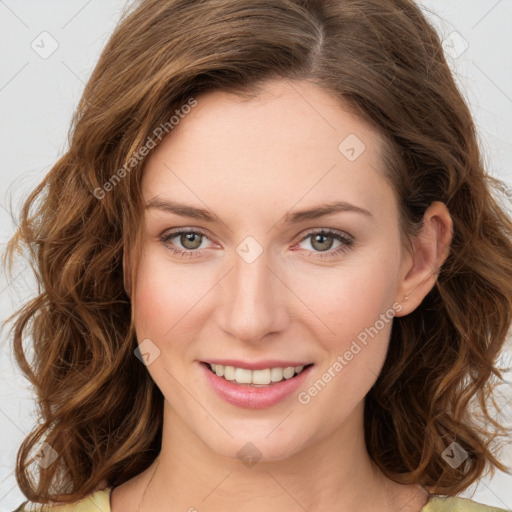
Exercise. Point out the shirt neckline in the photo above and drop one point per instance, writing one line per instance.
(108, 497)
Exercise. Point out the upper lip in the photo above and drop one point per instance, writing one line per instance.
(257, 365)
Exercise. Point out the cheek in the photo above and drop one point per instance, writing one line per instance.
(357, 306)
(353, 355)
(149, 303)
(166, 296)
(349, 300)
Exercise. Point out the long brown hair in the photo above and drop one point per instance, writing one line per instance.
(99, 408)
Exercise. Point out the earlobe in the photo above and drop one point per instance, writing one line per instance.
(430, 248)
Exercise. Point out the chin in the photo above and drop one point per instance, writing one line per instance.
(263, 445)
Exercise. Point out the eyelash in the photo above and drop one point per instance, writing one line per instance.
(346, 242)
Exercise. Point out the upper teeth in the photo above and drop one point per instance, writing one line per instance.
(264, 377)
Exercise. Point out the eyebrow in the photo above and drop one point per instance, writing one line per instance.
(289, 218)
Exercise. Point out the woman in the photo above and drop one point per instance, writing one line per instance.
(273, 272)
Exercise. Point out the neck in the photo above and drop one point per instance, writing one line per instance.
(335, 473)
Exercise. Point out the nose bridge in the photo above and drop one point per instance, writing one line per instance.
(254, 301)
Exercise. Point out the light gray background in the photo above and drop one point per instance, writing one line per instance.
(37, 98)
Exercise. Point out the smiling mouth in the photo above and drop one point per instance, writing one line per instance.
(255, 378)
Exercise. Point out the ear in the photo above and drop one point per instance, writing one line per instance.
(421, 266)
(126, 272)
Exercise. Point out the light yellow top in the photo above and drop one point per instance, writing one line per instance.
(99, 501)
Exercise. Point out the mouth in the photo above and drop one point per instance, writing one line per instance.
(264, 377)
(260, 385)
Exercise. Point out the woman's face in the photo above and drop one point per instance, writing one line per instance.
(252, 283)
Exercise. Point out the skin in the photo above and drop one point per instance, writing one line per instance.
(251, 162)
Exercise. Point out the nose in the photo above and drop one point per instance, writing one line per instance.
(254, 299)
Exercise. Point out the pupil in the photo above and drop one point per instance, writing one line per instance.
(318, 238)
(189, 238)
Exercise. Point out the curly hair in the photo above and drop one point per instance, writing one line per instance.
(99, 408)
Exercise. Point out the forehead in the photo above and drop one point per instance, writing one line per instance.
(293, 142)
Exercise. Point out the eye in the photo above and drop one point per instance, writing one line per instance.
(190, 239)
(323, 240)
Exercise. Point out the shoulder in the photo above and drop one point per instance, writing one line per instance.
(98, 501)
(455, 504)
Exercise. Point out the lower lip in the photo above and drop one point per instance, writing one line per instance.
(254, 397)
